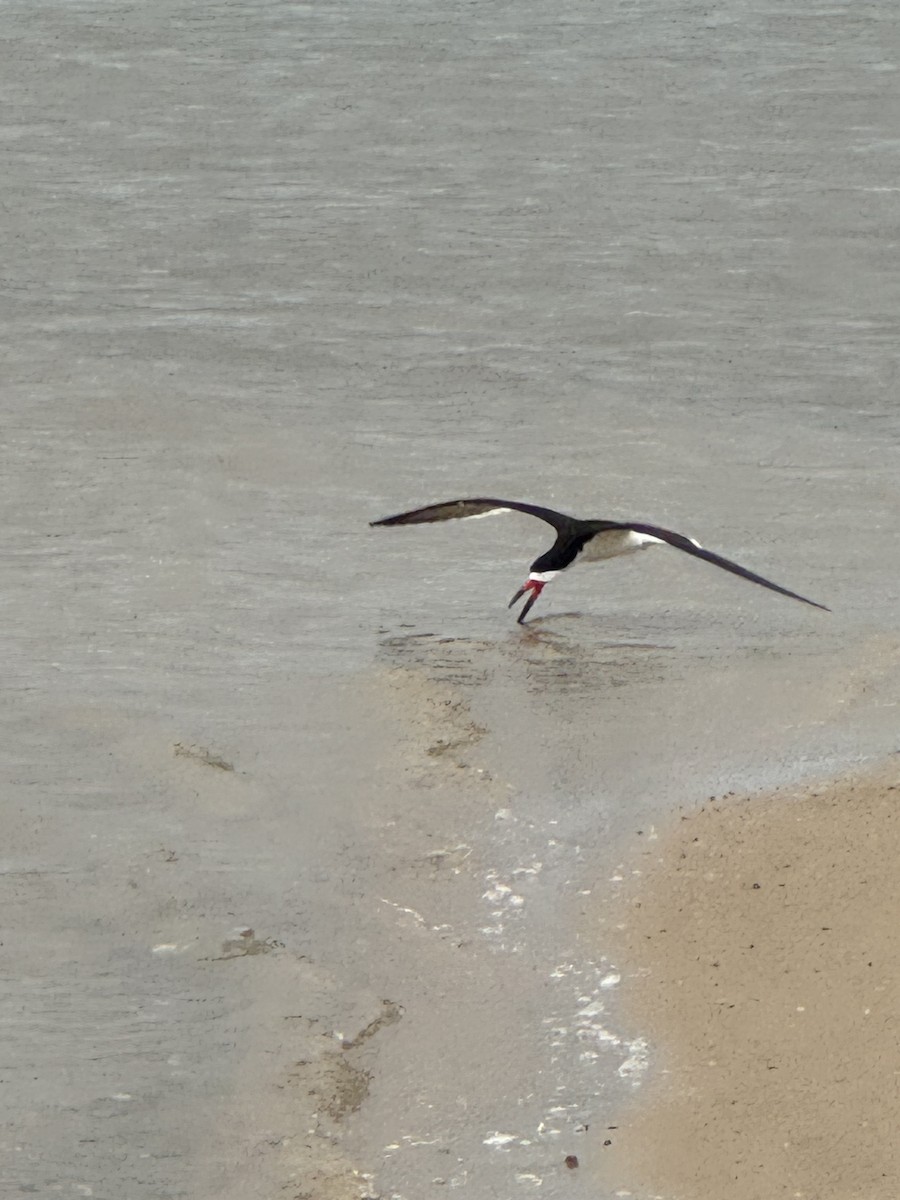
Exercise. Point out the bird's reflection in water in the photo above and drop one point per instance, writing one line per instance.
(556, 655)
(553, 653)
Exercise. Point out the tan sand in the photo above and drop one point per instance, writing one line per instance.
(763, 941)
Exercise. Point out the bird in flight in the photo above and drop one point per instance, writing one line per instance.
(578, 540)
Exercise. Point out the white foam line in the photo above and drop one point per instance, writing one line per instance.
(499, 1140)
(409, 911)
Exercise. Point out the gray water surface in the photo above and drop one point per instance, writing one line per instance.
(274, 270)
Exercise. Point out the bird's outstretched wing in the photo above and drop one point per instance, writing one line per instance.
(690, 547)
(451, 510)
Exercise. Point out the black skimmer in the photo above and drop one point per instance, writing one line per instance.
(576, 539)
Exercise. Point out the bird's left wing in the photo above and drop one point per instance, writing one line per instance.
(691, 547)
(451, 510)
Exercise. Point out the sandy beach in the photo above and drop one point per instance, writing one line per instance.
(759, 935)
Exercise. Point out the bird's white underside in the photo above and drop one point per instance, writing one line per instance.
(614, 542)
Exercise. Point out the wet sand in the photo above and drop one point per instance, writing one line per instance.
(760, 952)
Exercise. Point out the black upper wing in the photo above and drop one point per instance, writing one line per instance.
(683, 543)
(451, 510)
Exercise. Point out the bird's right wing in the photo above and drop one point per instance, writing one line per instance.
(689, 546)
(451, 510)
